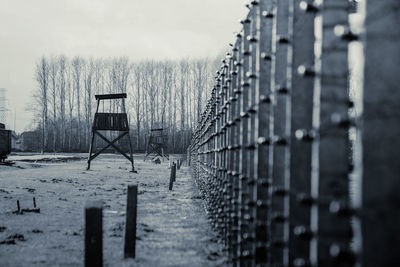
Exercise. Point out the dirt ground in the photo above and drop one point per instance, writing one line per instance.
(172, 227)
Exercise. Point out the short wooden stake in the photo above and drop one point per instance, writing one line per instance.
(130, 227)
(179, 164)
(172, 176)
(94, 233)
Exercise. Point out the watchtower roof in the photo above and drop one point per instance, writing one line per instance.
(110, 96)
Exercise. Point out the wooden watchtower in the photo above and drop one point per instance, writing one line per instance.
(157, 144)
(117, 122)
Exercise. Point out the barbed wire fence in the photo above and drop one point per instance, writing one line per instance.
(296, 154)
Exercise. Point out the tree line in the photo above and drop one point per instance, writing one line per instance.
(168, 94)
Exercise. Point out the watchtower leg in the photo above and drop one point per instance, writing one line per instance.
(91, 150)
(93, 134)
(130, 151)
(147, 149)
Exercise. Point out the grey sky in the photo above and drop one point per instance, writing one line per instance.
(105, 28)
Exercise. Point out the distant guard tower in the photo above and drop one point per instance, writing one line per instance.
(110, 122)
(157, 144)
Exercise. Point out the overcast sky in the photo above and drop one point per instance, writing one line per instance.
(138, 29)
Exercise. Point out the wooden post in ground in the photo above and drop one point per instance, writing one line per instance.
(172, 176)
(94, 234)
(130, 227)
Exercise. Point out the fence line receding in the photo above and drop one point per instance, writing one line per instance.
(297, 152)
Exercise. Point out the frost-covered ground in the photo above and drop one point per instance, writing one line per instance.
(172, 228)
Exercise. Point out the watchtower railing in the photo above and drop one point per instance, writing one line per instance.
(111, 121)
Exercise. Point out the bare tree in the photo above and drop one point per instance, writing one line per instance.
(76, 74)
(71, 103)
(150, 81)
(123, 70)
(166, 75)
(88, 77)
(42, 77)
(169, 93)
(53, 72)
(201, 78)
(61, 92)
(184, 66)
(135, 90)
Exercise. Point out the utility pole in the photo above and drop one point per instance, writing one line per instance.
(3, 109)
(15, 120)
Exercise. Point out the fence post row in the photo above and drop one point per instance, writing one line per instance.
(279, 147)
